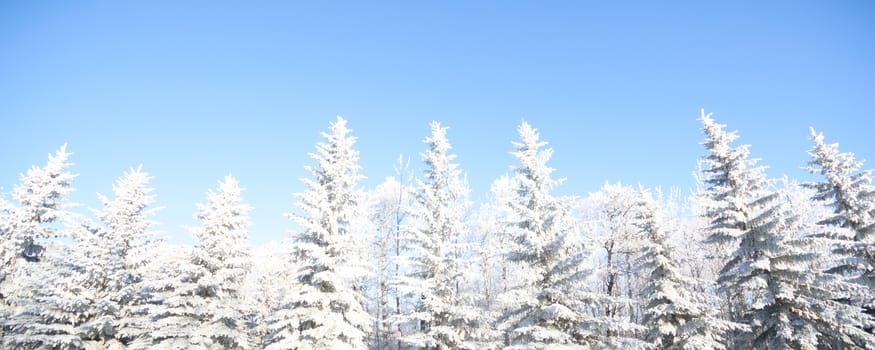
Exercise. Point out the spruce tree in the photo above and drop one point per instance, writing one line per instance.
(850, 193)
(222, 259)
(789, 301)
(676, 314)
(325, 311)
(547, 309)
(733, 184)
(793, 304)
(443, 318)
(42, 302)
(39, 200)
(118, 252)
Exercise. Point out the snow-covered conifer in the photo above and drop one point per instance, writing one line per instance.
(676, 314)
(789, 302)
(117, 253)
(222, 256)
(31, 305)
(197, 292)
(849, 192)
(793, 304)
(443, 317)
(733, 184)
(546, 310)
(39, 200)
(326, 312)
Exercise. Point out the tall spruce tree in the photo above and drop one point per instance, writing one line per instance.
(733, 184)
(789, 302)
(118, 252)
(850, 193)
(326, 311)
(43, 300)
(39, 201)
(793, 304)
(443, 318)
(547, 309)
(197, 292)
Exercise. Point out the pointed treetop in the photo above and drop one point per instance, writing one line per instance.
(440, 168)
(46, 187)
(335, 157)
(228, 202)
(56, 165)
(339, 131)
(132, 178)
(718, 139)
(829, 155)
(132, 195)
(530, 137)
(533, 159)
(230, 185)
(437, 141)
(848, 189)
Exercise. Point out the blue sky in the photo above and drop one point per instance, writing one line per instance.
(195, 90)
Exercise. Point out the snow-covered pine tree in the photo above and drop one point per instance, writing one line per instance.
(39, 305)
(327, 312)
(443, 318)
(733, 184)
(118, 252)
(789, 302)
(793, 304)
(176, 309)
(222, 259)
(40, 200)
(849, 192)
(676, 314)
(546, 310)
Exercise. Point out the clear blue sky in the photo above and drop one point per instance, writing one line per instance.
(195, 90)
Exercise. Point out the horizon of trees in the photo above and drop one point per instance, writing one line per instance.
(413, 263)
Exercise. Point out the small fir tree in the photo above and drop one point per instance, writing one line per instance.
(676, 314)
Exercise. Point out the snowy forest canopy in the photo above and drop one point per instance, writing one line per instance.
(747, 262)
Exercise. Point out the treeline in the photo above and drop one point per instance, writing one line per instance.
(747, 262)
